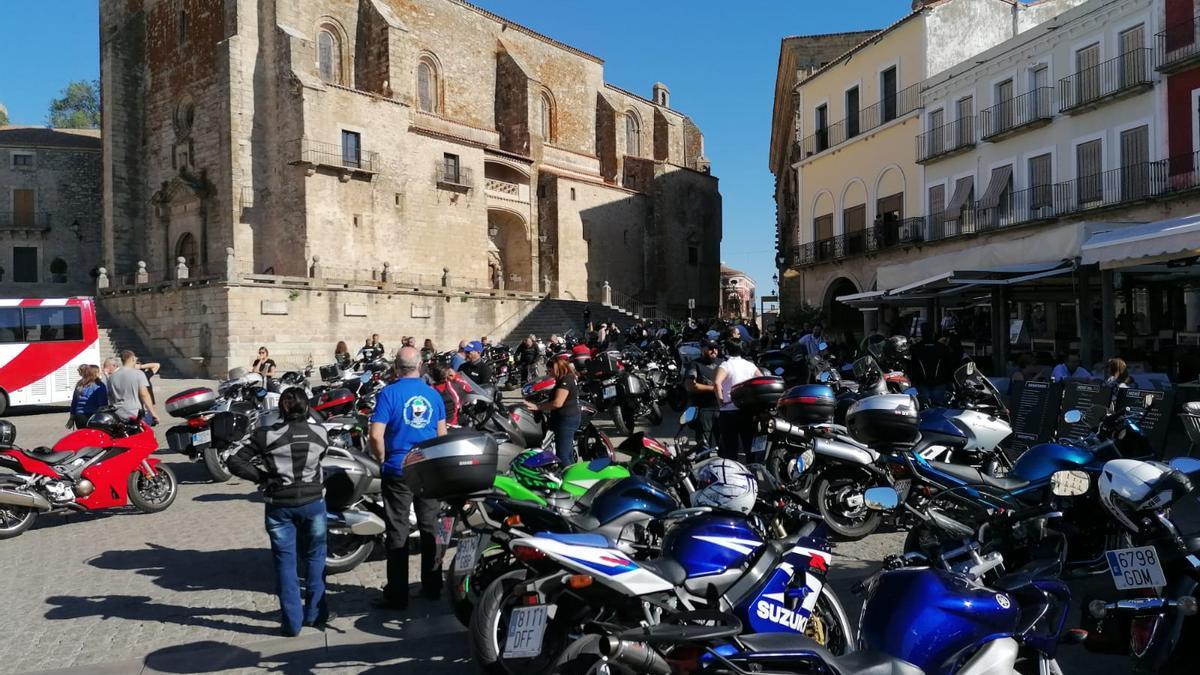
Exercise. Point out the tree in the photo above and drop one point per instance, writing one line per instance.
(79, 107)
(3, 115)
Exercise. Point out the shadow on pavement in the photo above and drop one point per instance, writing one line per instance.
(309, 653)
(141, 608)
(228, 497)
(239, 569)
(22, 410)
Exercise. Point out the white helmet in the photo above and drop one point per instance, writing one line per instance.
(1129, 486)
(727, 485)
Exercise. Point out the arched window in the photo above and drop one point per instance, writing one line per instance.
(427, 85)
(547, 117)
(633, 135)
(329, 55)
(187, 249)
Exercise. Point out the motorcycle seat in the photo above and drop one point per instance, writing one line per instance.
(667, 569)
(854, 663)
(581, 539)
(46, 455)
(973, 476)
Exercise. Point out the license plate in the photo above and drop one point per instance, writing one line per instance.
(443, 530)
(526, 628)
(202, 437)
(610, 392)
(758, 445)
(467, 554)
(1136, 568)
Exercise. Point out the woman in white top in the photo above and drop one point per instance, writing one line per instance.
(737, 429)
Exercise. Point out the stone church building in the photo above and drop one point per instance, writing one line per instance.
(422, 143)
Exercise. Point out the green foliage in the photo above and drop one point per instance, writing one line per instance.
(804, 313)
(79, 107)
(3, 115)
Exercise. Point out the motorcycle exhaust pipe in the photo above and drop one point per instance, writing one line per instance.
(635, 656)
(362, 523)
(22, 498)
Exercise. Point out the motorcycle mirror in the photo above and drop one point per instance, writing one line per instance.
(822, 346)
(779, 371)
(881, 498)
(1069, 483)
(971, 368)
(688, 416)
(823, 376)
(1072, 417)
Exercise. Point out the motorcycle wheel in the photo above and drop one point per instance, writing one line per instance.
(592, 444)
(215, 465)
(484, 634)
(654, 413)
(830, 493)
(677, 398)
(464, 588)
(622, 420)
(344, 552)
(15, 519)
(153, 494)
(836, 633)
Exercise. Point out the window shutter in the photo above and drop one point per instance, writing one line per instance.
(963, 188)
(1001, 176)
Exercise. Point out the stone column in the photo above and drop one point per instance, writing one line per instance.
(1108, 315)
(387, 272)
(606, 295)
(315, 270)
(445, 276)
(143, 277)
(230, 265)
(101, 279)
(181, 268)
(1083, 315)
(999, 331)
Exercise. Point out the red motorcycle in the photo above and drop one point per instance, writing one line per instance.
(105, 465)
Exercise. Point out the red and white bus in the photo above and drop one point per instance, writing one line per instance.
(43, 341)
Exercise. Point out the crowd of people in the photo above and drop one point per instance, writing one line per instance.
(121, 382)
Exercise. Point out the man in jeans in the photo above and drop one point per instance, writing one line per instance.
(698, 379)
(290, 453)
(407, 412)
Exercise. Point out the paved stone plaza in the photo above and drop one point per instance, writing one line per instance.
(191, 590)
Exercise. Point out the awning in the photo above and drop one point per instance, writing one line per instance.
(867, 298)
(1001, 176)
(1142, 244)
(964, 282)
(962, 192)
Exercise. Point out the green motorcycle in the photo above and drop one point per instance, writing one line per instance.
(531, 488)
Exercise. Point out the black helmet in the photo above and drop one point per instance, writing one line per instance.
(104, 421)
(8, 434)
(895, 348)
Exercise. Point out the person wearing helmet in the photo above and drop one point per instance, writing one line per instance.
(895, 352)
(581, 357)
(725, 485)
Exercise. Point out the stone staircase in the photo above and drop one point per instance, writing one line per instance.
(114, 338)
(559, 316)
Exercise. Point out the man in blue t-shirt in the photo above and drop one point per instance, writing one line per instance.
(407, 412)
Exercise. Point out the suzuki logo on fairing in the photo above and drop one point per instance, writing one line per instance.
(780, 615)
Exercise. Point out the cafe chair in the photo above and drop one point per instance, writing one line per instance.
(1191, 424)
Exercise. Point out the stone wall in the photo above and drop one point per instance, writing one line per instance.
(206, 328)
(66, 225)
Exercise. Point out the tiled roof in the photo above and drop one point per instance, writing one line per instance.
(83, 139)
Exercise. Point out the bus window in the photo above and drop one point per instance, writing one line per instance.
(50, 324)
(10, 325)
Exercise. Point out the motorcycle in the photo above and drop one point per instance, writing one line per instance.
(611, 387)
(217, 422)
(106, 465)
(971, 428)
(590, 442)
(1157, 576)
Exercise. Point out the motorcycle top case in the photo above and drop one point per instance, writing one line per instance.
(808, 404)
(928, 617)
(528, 430)
(454, 465)
(179, 439)
(331, 373)
(191, 401)
(884, 418)
(758, 394)
(606, 364)
(338, 401)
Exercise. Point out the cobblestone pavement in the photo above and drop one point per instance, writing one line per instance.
(191, 590)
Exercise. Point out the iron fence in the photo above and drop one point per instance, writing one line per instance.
(1105, 80)
(1015, 113)
(1178, 45)
(948, 138)
(337, 155)
(868, 118)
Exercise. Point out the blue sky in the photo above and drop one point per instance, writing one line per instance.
(718, 58)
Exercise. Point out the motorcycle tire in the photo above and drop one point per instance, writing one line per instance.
(654, 413)
(151, 495)
(216, 466)
(464, 589)
(484, 631)
(16, 519)
(622, 420)
(677, 398)
(846, 527)
(344, 552)
(838, 631)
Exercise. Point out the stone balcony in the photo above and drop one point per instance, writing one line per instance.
(496, 188)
